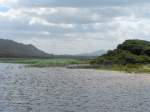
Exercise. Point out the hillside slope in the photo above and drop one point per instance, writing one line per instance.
(129, 52)
(9, 48)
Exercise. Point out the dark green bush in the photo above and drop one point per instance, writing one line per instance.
(130, 52)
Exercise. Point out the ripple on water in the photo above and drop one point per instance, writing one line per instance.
(69, 90)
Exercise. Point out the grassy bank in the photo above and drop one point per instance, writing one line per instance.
(129, 68)
(53, 62)
(49, 62)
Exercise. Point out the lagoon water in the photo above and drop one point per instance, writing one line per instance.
(24, 89)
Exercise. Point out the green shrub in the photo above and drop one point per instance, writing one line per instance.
(130, 52)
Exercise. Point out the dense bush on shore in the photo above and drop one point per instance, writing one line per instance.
(130, 52)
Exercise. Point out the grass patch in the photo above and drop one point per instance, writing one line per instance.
(129, 68)
(42, 62)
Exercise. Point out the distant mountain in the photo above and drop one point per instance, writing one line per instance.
(93, 54)
(9, 48)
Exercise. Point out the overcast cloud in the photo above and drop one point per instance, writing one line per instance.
(74, 26)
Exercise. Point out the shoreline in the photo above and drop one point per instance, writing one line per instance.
(81, 67)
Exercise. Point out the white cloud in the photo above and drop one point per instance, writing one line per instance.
(11, 14)
(35, 20)
(2, 1)
(9, 2)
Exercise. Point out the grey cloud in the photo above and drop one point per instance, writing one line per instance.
(80, 3)
(66, 26)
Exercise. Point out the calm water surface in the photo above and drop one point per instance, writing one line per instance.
(25, 89)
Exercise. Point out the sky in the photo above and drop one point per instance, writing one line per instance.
(74, 26)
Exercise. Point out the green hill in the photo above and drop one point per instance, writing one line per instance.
(129, 52)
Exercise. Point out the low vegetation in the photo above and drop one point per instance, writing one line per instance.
(43, 62)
